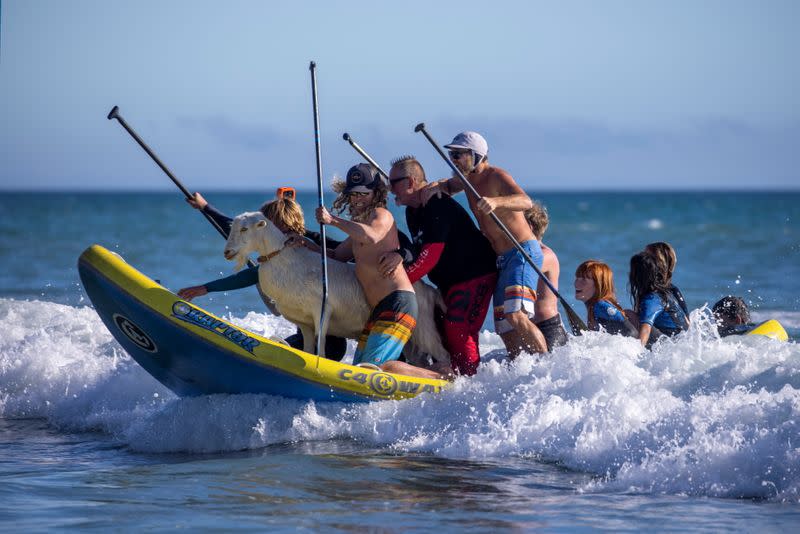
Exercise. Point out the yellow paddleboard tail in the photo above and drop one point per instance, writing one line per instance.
(771, 328)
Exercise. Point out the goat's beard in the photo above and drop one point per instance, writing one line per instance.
(241, 259)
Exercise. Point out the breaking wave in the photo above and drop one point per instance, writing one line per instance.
(698, 415)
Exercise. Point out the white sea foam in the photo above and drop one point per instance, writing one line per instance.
(789, 319)
(697, 415)
(655, 224)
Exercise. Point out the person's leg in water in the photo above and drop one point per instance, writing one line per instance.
(553, 331)
(514, 299)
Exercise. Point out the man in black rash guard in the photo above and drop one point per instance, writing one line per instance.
(455, 256)
(335, 347)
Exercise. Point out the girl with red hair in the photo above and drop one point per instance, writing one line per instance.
(594, 286)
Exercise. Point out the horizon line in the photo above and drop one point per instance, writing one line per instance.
(312, 190)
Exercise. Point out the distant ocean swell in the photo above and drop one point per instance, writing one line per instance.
(698, 415)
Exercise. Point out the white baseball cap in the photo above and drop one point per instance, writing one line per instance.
(470, 141)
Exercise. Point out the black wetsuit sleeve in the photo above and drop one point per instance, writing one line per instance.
(244, 278)
(220, 218)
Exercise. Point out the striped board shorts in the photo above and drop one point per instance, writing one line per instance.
(388, 329)
(516, 284)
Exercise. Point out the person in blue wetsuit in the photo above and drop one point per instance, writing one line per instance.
(594, 286)
(287, 215)
(667, 259)
(655, 305)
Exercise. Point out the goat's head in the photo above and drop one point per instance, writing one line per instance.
(251, 232)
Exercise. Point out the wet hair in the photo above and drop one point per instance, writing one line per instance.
(666, 258)
(409, 165)
(538, 219)
(646, 276)
(731, 310)
(285, 212)
(602, 276)
(342, 202)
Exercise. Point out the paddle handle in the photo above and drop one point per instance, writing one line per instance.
(576, 323)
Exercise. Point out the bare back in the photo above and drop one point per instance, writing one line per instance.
(367, 257)
(495, 182)
(547, 302)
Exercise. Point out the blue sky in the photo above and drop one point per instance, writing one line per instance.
(570, 95)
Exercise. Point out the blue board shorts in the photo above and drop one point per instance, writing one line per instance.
(388, 329)
(516, 283)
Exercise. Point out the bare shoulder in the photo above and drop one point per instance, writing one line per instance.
(550, 259)
(505, 182)
(496, 173)
(383, 215)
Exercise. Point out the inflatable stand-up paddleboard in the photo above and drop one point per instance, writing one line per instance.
(193, 352)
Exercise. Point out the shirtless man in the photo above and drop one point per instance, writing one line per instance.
(515, 294)
(372, 232)
(546, 318)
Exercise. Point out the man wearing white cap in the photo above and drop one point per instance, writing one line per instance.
(515, 294)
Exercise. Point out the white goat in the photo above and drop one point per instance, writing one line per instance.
(292, 277)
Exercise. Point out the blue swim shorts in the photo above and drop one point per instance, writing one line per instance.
(516, 283)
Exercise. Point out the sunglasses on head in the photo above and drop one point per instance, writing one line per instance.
(456, 154)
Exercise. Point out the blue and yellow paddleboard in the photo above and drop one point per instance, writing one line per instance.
(193, 352)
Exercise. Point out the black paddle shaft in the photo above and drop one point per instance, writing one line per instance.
(364, 155)
(320, 338)
(576, 323)
(114, 114)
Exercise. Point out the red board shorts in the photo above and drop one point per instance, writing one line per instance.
(467, 304)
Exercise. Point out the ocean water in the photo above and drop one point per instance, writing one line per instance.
(701, 433)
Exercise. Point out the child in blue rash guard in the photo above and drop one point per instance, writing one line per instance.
(654, 303)
(287, 215)
(594, 286)
(667, 259)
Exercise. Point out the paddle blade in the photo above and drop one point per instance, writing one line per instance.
(575, 322)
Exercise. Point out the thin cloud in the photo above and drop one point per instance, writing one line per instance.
(248, 136)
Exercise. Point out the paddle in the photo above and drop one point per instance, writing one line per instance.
(364, 155)
(575, 322)
(114, 114)
(320, 339)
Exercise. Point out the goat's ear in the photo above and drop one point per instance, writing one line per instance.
(261, 224)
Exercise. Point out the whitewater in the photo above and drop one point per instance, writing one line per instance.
(696, 416)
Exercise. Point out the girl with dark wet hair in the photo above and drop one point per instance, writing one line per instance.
(655, 305)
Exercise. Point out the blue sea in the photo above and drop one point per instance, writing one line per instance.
(699, 434)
